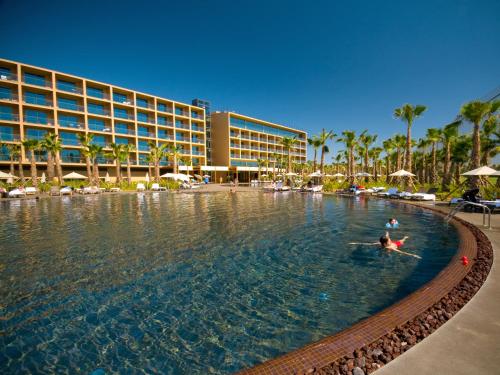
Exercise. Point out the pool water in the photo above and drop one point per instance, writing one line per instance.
(197, 283)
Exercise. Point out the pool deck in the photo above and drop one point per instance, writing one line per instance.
(469, 343)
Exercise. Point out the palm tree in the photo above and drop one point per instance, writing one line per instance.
(149, 159)
(350, 141)
(448, 136)
(407, 113)
(288, 143)
(388, 145)
(323, 137)
(338, 159)
(260, 164)
(86, 141)
(399, 142)
(489, 139)
(94, 151)
(274, 156)
(475, 112)
(14, 150)
(175, 153)
(32, 145)
(374, 154)
(127, 149)
(52, 145)
(315, 143)
(433, 136)
(460, 151)
(422, 145)
(118, 154)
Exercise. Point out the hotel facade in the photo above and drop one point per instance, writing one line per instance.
(35, 101)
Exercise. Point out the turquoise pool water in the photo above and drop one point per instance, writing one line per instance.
(197, 283)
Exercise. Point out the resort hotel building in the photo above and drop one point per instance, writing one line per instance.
(35, 101)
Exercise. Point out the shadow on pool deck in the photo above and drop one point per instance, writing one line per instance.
(469, 343)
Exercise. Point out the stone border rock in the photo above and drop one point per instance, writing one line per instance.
(373, 342)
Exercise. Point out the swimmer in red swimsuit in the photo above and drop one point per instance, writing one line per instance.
(388, 244)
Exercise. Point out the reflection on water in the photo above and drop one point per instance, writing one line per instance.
(196, 283)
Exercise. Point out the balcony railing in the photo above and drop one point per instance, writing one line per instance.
(9, 97)
(103, 160)
(71, 107)
(95, 111)
(124, 101)
(70, 142)
(145, 105)
(9, 116)
(6, 76)
(71, 124)
(166, 123)
(182, 139)
(182, 126)
(61, 86)
(197, 140)
(126, 116)
(143, 133)
(181, 113)
(40, 158)
(9, 137)
(196, 115)
(125, 131)
(201, 153)
(72, 159)
(37, 81)
(143, 147)
(166, 136)
(146, 120)
(196, 128)
(99, 128)
(38, 101)
(42, 120)
(165, 110)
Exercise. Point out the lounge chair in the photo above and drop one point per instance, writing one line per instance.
(17, 193)
(54, 190)
(430, 195)
(31, 190)
(115, 189)
(391, 193)
(65, 190)
(157, 187)
(140, 187)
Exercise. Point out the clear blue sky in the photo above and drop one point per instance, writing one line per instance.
(308, 64)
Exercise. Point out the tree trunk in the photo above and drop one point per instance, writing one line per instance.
(157, 170)
(476, 155)
(321, 166)
(289, 162)
(457, 173)
(96, 173)
(118, 167)
(21, 171)
(407, 164)
(34, 179)
(50, 166)
(433, 165)
(447, 167)
(374, 170)
(129, 173)
(314, 161)
(175, 164)
(89, 169)
(387, 168)
(58, 167)
(150, 170)
(12, 168)
(398, 159)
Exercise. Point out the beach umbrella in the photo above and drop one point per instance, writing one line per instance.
(74, 176)
(362, 174)
(176, 176)
(43, 179)
(482, 171)
(107, 178)
(147, 177)
(316, 174)
(496, 174)
(6, 176)
(401, 173)
(198, 177)
(337, 175)
(291, 174)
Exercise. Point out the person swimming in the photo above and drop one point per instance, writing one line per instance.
(386, 243)
(392, 223)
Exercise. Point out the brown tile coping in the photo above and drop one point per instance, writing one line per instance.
(322, 353)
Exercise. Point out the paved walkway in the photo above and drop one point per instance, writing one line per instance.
(469, 343)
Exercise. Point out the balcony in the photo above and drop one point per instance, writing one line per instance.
(9, 116)
(125, 131)
(68, 87)
(182, 139)
(143, 133)
(71, 124)
(37, 81)
(199, 153)
(180, 112)
(165, 109)
(97, 111)
(7, 76)
(70, 106)
(99, 128)
(9, 97)
(103, 160)
(145, 120)
(144, 105)
(196, 128)
(125, 116)
(37, 101)
(72, 159)
(9, 137)
(40, 158)
(196, 115)
(167, 137)
(143, 147)
(234, 145)
(182, 126)
(166, 123)
(70, 142)
(40, 120)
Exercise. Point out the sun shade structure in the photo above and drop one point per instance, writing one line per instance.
(291, 174)
(74, 176)
(6, 176)
(482, 171)
(337, 175)
(316, 174)
(401, 173)
(176, 176)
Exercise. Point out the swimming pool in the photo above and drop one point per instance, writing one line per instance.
(197, 283)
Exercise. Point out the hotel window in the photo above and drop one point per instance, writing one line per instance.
(161, 107)
(179, 111)
(5, 73)
(35, 79)
(141, 130)
(96, 124)
(120, 98)
(66, 86)
(35, 98)
(35, 117)
(6, 133)
(162, 120)
(142, 117)
(65, 103)
(69, 139)
(5, 93)
(68, 121)
(142, 103)
(121, 141)
(95, 92)
(6, 113)
(143, 146)
(35, 134)
(120, 113)
(162, 133)
(122, 128)
(99, 140)
(71, 156)
(98, 109)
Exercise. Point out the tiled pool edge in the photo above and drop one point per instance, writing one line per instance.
(337, 353)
